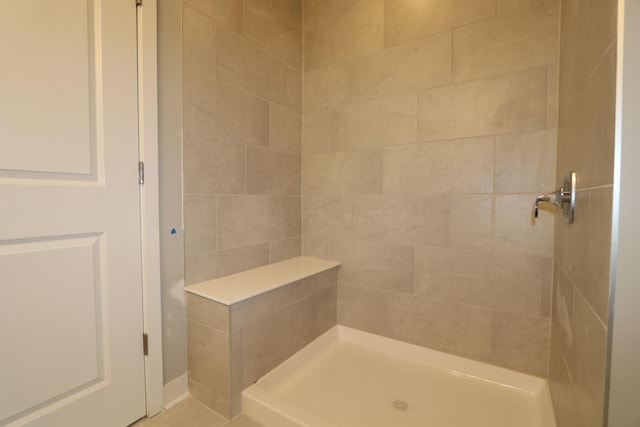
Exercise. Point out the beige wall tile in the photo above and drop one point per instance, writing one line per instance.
(319, 11)
(273, 172)
(587, 361)
(221, 112)
(403, 220)
(317, 314)
(213, 165)
(562, 312)
(546, 293)
(521, 342)
(281, 250)
(588, 32)
(285, 130)
(375, 265)
(552, 97)
(315, 246)
(525, 162)
(250, 220)
(386, 121)
(208, 357)
(317, 131)
(227, 12)
(505, 44)
(343, 172)
(199, 223)
(455, 328)
(261, 306)
(463, 166)
(408, 20)
(565, 403)
(596, 286)
(571, 240)
(290, 9)
(345, 37)
(207, 312)
(269, 30)
(414, 66)
(210, 265)
(360, 307)
(498, 105)
(197, 41)
(243, 66)
(316, 283)
(501, 223)
(595, 137)
(324, 88)
(517, 7)
(265, 345)
(499, 280)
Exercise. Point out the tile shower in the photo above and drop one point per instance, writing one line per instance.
(407, 140)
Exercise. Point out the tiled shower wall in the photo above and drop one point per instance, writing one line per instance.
(582, 250)
(429, 128)
(242, 86)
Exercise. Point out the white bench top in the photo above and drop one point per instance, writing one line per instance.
(237, 287)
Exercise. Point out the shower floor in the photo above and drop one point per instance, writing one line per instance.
(351, 378)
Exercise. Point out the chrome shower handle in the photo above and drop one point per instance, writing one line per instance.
(564, 198)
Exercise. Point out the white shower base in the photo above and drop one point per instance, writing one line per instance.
(351, 378)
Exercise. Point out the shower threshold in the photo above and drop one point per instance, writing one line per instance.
(352, 378)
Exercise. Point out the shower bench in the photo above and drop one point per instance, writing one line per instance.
(241, 326)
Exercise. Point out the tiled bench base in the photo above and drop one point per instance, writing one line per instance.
(233, 339)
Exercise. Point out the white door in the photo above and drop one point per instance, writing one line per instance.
(70, 254)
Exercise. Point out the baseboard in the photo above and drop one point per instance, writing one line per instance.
(176, 391)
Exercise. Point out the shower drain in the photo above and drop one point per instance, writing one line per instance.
(400, 405)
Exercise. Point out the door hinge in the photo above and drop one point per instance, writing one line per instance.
(138, 2)
(145, 344)
(141, 173)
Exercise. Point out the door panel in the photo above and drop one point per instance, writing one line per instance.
(70, 255)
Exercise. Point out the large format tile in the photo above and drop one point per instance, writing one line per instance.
(464, 166)
(409, 19)
(243, 66)
(218, 111)
(250, 220)
(411, 67)
(374, 265)
(345, 37)
(213, 165)
(276, 35)
(199, 223)
(499, 280)
(525, 162)
(505, 44)
(290, 9)
(587, 361)
(497, 105)
(395, 219)
(385, 121)
(227, 12)
(273, 172)
(208, 357)
(280, 250)
(319, 11)
(455, 328)
(285, 130)
(360, 307)
(343, 172)
(210, 265)
(521, 342)
(197, 41)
